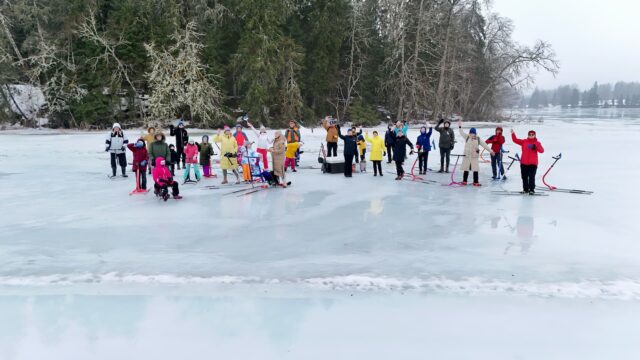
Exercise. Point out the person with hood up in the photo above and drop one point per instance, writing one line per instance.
(191, 154)
(115, 145)
(350, 150)
(163, 179)
(423, 144)
(388, 142)
(140, 161)
(529, 160)
(377, 151)
(277, 157)
(329, 124)
(206, 152)
(446, 143)
(400, 144)
(264, 143)
(228, 154)
(182, 138)
(471, 161)
(496, 142)
(159, 148)
(148, 139)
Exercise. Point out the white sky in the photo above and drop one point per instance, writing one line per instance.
(594, 40)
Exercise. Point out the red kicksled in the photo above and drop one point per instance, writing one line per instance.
(138, 190)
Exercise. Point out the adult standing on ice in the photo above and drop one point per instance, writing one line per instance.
(350, 150)
(159, 148)
(400, 144)
(446, 143)
(115, 145)
(182, 137)
(329, 124)
(277, 157)
(148, 139)
(472, 145)
(264, 143)
(377, 151)
(529, 160)
(228, 154)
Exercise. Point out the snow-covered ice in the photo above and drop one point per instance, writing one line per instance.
(367, 267)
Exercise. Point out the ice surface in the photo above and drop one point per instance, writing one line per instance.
(71, 236)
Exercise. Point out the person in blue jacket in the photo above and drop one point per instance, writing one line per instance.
(423, 144)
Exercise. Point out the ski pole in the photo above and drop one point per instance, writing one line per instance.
(556, 159)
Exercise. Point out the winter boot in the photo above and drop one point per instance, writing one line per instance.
(124, 172)
(113, 172)
(464, 183)
(477, 184)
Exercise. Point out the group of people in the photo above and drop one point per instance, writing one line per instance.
(395, 144)
(152, 154)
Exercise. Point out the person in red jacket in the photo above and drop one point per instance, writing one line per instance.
(163, 179)
(140, 161)
(496, 142)
(529, 160)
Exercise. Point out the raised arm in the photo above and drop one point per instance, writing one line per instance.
(515, 139)
(339, 132)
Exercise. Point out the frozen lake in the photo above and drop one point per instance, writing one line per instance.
(331, 267)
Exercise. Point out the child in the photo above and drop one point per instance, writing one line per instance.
(496, 142)
(290, 155)
(250, 160)
(377, 151)
(191, 158)
(362, 149)
(529, 161)
(471, 154)
(424, 146)
(163, 179)
(206, 152)
(174, 158)
(140, 161)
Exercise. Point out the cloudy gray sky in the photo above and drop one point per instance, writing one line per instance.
(594, 39)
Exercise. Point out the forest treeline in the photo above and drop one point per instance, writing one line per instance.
(143, 61)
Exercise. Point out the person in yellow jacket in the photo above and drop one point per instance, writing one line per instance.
(377, 151)
(290, 155)
(149, 138)
(228, 154)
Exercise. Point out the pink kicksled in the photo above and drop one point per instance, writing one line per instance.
(138, 190)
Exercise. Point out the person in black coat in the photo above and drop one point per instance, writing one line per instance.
(182, 138)
(350, 150)
(388, 142)
(400, 144)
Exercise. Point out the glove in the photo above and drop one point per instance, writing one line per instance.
(384, 153)
(532, 146)
(143, 163)
(106, 149)
(122, 148)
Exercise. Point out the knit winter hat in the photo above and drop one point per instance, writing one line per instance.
(226, 128)
(205, 138)
(116, 125)
(191, 141)
(473, 131)
(238, 126)
(531, 132)
(180, 123)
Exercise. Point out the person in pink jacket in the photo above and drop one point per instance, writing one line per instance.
(191, 152)
(163, 179)
(529, 160)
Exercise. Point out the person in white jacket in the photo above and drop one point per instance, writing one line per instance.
(115, 144)
(264, 143)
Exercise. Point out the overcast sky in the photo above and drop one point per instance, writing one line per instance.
(593, 39)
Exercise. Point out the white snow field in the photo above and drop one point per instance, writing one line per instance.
(360, 268)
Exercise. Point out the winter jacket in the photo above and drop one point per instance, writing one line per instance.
(332, 132)
(447, 137)
(350, 146)
(116, 141)
(472, 152)
(161, 174)
(149, 139)
(362, 145)
(252, 157)
(405, 130)
(139, 155)
(182, 137)
(241, 137)
(424, 141)
(292, 135)
(389, 138)
(496, 142)
(159, 148)
(191, 154)
(277, 156)
(175, 158)
(530, 150)
(206, 152)
(228, 145)
(264, 140)
(400, 148)
(291, 150)
(377, 147)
